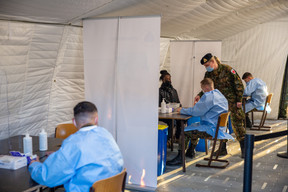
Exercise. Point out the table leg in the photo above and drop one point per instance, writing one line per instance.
(171, 139)
(244, 102)
(183, 146)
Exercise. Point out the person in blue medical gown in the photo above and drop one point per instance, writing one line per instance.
(256, 89)
(86, 156)
(209, 107)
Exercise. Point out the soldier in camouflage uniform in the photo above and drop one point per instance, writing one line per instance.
(228, 82)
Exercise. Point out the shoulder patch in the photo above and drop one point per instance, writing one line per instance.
(233, 71)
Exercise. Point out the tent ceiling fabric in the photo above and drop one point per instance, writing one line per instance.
(182, 19)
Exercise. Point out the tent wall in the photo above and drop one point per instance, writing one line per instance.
(41, 70)
(164, 53)
(261, 51)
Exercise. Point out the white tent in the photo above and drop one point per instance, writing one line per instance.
(42, 56)
(41, 65)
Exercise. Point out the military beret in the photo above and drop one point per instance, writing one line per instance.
(206, 58)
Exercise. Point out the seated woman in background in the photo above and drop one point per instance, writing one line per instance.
(166, 90)
(170, 95)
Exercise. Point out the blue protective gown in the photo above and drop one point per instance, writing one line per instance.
(208, 108)
(88, 155)
(257, 90)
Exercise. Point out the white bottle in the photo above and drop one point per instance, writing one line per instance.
(27, 145)
(163, 106)
(43, 142)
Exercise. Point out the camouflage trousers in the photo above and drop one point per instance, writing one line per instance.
(237, 118)
(194, 136)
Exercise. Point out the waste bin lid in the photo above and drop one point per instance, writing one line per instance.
(162, 127)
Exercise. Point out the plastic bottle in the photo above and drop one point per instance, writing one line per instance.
(43, 143)
(163, 106)
(27, 145)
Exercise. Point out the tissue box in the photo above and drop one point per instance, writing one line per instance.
(11, 162)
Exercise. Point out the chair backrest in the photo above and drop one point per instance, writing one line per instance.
(223, 119)
(115, 183)
(269, 98)
(65, 130)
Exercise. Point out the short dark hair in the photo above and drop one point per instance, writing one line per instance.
(163, 74)
(84, 107)
(207, 81)
(246, 75)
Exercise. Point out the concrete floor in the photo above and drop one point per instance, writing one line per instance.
(270, 172)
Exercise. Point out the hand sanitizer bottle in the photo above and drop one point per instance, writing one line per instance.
(43, 143)
(163, 106)
(27, 145)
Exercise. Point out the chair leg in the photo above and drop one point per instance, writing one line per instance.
(261, 121)
(261, 124)
(264, 119)
(210, 158)
(213, 149)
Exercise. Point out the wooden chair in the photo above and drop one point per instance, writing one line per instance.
(261, 126)
(65, 130)
(222, 122)
(115, 183)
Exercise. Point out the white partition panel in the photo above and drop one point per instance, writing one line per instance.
(121, 61)
(100, 45)
(186, 70)
(181, 57)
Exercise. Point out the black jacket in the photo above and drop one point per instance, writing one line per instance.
(168, 93)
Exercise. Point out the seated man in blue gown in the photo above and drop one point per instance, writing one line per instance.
(89, 155)
(257, 90)
(209, 107)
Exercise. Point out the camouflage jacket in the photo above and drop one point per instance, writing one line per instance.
(228, 82)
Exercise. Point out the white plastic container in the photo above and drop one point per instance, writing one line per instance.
(27, 145)
(163, 106)
(43, 142)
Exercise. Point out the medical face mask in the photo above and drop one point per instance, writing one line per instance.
(209, 69)
(167, 83)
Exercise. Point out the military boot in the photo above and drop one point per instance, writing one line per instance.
(177, 160)
(223, 150)
(242, 146)
(248, 122)
(191, 152)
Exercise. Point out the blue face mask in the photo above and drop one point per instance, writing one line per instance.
(209, 69)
